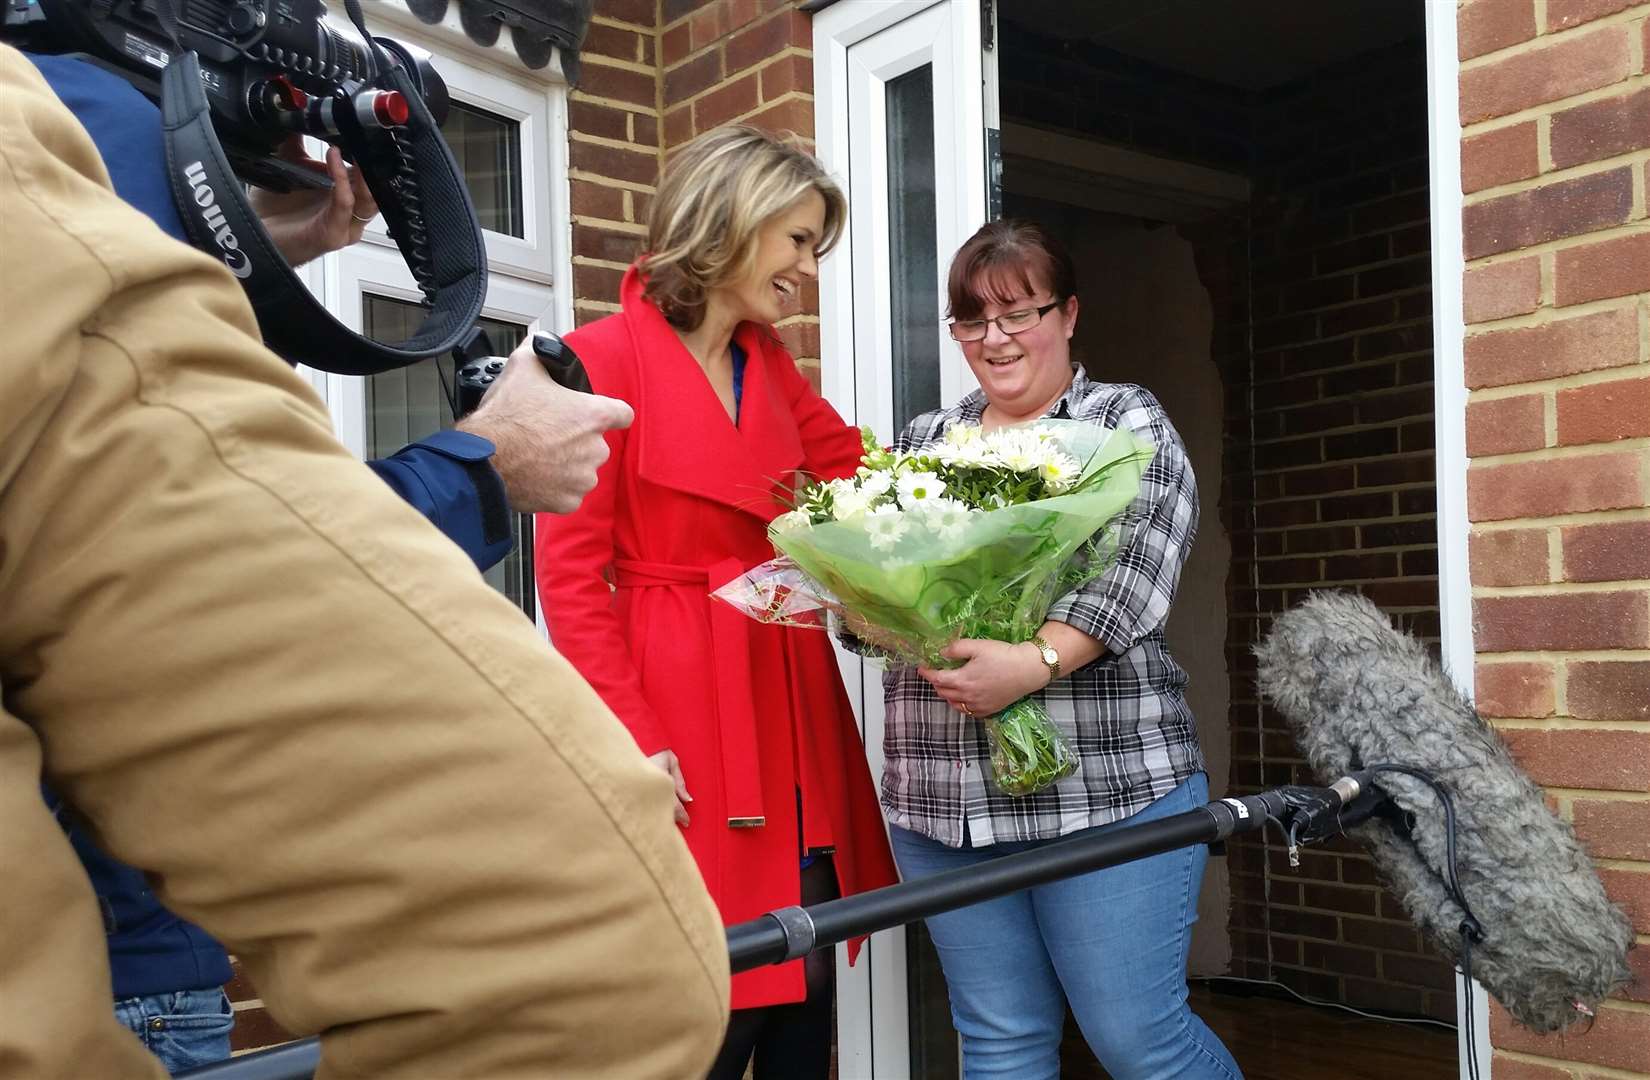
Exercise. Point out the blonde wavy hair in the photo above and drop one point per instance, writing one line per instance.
(713, 200)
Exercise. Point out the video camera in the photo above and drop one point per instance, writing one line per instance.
(235, 80)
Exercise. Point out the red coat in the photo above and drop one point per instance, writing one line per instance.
(754, 713)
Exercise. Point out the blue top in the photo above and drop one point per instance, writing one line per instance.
(446, 477)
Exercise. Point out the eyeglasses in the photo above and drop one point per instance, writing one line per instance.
(1014, 322)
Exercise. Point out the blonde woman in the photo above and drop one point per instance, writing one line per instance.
(750, 722)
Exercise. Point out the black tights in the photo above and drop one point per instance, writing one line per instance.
(791, 1042)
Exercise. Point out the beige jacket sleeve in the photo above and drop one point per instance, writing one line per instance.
(265, 680)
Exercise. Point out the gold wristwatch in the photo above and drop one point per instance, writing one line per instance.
(1050, 656)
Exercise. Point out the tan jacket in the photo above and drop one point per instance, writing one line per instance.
(265, 680)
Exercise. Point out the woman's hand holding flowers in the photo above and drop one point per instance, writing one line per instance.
(992, 676)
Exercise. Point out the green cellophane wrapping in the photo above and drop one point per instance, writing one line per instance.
(993, 576)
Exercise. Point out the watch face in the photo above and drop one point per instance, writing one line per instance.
(1049, 655)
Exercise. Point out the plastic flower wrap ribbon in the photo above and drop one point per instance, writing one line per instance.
(974, 536)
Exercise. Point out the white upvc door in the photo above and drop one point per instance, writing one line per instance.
(905, 91)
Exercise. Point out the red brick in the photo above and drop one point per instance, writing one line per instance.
(694, 76)
(788, 73)
(1487, 25)
(590, 242)
(600, 283)
(1601, 129)
(810, 372)
(1506, 425)
(1550, 212)
(1613, 828)
(600, 39)
(1610, 690)
(1557, 486)
(1612, 551)
(727, 102)
(1514, 689)
(1499, 157)
(1617, 1039)
(1629, 889)
(617, 84)
(636, 166)
(1603, 269)
(752, 47)
(1603, 339)
(635, 12)
(1606, 760)
(255, 1028)
(1604, 412)
(1501, 290)
(678, 126)
(1506, 1068)
(675, 44)
(795, 115)
(1571, 65)
(1568, 621)
(602, 121)
(705, 26)
(1638, 961)
(646, 129)
(800, 338)
(597, 200)
(738, 13)
(1563, 14)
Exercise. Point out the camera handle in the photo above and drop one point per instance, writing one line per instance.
(477, 369)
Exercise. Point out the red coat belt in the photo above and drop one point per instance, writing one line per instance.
(730, 644)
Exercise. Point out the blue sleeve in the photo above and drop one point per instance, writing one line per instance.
(125, 128)
(449, 478)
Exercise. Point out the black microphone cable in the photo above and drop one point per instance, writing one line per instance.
(1471, 930)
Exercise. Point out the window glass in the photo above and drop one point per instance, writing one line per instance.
(488, 151)
(912, 257)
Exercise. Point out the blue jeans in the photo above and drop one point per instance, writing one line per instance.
(186, 1029)
(1113, 943)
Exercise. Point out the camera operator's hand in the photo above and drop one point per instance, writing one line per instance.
(548, 439)
(310, 222)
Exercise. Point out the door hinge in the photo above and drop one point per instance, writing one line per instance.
(988, 26)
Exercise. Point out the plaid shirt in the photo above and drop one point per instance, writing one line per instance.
(1124, 714)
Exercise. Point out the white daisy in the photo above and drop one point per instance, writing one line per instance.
(876, 482)
(884, 527)
(1060, 471)
(946, 517)
(919, 488)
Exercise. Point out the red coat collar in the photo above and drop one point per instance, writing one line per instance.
(685, 440)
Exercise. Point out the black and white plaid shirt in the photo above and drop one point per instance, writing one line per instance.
(1125, 714)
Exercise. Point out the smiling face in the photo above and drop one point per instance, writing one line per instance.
(1022, 374)
(784, 259)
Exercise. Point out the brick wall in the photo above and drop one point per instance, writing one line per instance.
(657, 73)
(613, 149)
(1330, 419)
(1555, 111)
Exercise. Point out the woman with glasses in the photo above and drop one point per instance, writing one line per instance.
(1112, 943)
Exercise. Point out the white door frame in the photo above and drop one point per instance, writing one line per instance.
(1450, 421)
(858, 46)
(866, 1034)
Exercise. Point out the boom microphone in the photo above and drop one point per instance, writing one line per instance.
(1360, 695)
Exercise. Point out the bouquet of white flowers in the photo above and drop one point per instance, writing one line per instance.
(973, 536)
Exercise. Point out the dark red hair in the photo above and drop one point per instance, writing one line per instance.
(1002, 262)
